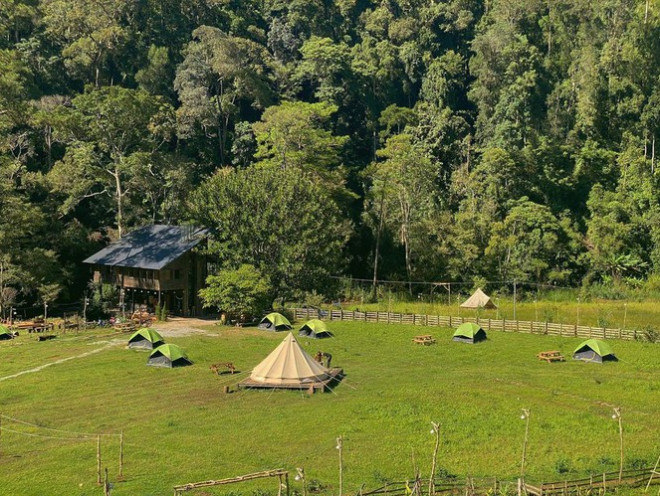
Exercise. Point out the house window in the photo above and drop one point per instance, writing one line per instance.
(177, 274)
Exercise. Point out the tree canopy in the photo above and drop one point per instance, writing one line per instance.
(396, 140)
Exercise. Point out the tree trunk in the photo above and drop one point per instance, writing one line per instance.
(653, 155)
(378, 234)
(119, 194)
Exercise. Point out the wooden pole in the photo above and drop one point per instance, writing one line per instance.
(121, 455)
(340, 446)
(98, 460)
(617, 416)
(106, 485)
(653, 472)
(436, 431)
(525, 416)
(286, 481)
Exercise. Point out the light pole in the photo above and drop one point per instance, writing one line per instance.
(434, 430)
(85, 303)
(525, 416)
(617, 416)
(625, 313)
(300, 476)
(340, 446)
(536, 311)
(514, 298)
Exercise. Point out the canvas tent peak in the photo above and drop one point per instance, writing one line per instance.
(479, 299)
(289, 366)
(468, 332)
(168, 356)
(594, 350)
(315, 329)
(275, 322)
(145, 338)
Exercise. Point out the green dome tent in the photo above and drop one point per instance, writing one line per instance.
(594, 350)
(275, 322)
(315, 329)
(5, 333)
(168, 356)
(145, 339)
(469, 333)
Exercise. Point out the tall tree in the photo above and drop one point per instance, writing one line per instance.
(297, 238)
(218, 72)
(105, 129)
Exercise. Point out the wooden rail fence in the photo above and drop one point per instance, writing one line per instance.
(493, 486)
(610, 480)
(505, 325)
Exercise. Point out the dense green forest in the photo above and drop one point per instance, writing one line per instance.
(414, 140)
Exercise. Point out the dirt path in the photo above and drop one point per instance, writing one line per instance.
(112, 343)
(180, 326)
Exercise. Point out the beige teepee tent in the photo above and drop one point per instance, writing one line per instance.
(478, 300)
(289, 366)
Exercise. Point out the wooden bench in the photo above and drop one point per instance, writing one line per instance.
(426, 340)
(551, 356)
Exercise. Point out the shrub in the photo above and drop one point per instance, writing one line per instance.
(241, 293)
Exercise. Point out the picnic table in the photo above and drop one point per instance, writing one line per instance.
(425, 339)
(551, 356)
(33, 326)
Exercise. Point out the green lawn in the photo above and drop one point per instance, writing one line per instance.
(179, 427)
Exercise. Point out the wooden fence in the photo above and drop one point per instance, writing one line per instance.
(602, 482)
(493, 486)
(506, 325)
(420, 487)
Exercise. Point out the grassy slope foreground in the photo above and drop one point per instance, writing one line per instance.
(179, 426)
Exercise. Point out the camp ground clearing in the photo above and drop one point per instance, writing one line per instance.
(179, 426)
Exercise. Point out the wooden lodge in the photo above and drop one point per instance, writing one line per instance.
(155, 264)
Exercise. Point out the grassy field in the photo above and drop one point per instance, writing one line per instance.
(179, 427)
(598, 313)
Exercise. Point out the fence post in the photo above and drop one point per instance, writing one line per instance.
(575, 330)
(341, 314)
(98, 460)
(546, 328)
(389, 316)
(503, 324)
(450, 321)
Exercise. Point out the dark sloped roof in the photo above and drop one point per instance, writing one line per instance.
(150, 247)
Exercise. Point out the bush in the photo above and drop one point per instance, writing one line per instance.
(649, 334)
(242, 293)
